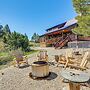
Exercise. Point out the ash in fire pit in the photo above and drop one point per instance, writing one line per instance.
(40, 62)
(40, 69)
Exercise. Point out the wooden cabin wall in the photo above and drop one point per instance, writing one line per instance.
(51, 39)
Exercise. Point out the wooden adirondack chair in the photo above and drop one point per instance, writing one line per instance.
(19, 59)
(68, 55)
(62, 59)
(42, 56)
(77, 65)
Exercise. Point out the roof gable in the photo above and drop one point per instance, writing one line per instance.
(57, 26)
(63, 26)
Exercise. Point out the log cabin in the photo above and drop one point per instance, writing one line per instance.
(58, 36)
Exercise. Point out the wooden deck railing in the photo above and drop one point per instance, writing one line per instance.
(81, 38)
(62, 42)
(52, 40)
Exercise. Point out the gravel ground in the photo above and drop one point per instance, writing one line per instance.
(13, 78)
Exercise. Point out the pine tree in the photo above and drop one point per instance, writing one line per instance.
(82, 7)
(6, 29)
(1, 32)
(17, 40)
(6, 33)
(35, 37)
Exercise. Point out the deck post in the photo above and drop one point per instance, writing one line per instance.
(62, 35)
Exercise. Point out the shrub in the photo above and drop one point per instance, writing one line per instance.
(5, 58)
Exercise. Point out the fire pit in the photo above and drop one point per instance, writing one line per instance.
(40, 69)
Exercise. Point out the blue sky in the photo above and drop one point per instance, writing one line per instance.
(29, 16)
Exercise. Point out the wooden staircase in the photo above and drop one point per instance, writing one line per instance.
(62, 42)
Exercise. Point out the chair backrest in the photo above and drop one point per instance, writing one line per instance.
(56, 58)
(69, 53)
(84, 60)
(43, 54)
(18, 55)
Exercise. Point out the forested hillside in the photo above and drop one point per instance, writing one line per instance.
(13, 40)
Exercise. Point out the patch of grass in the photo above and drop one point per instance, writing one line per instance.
(5, 59)
(31, 52)
(3, 54)
(33, 44)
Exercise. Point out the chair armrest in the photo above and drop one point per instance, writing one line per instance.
(38, 55)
